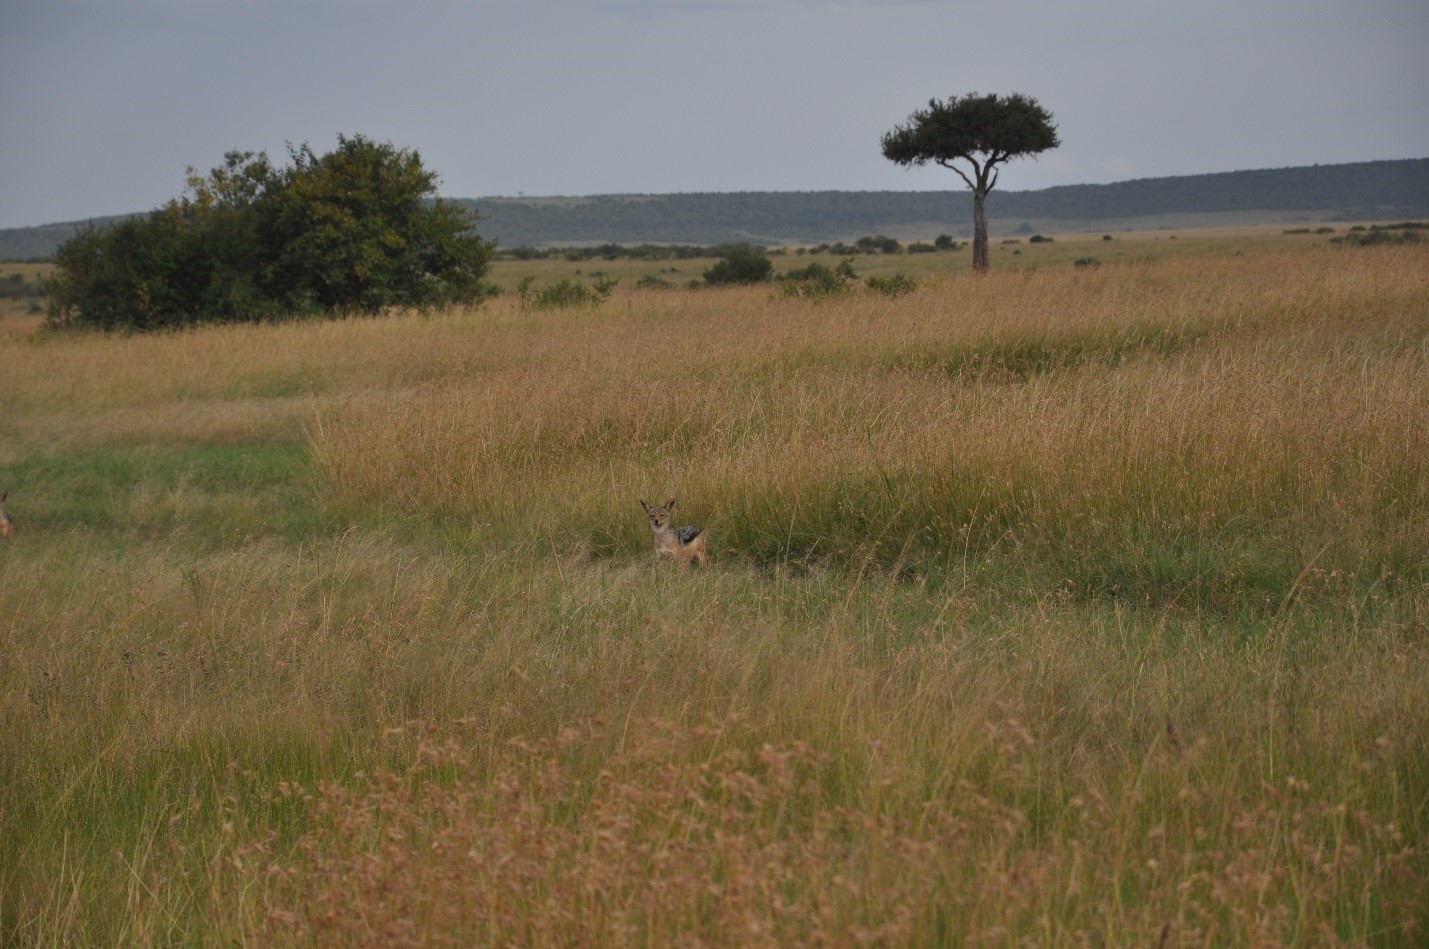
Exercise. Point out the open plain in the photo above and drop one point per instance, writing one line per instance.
(1061, 604)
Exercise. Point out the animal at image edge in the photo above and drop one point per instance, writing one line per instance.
(7, 524)
(676, 544)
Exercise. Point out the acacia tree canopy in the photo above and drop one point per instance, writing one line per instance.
(982, 130)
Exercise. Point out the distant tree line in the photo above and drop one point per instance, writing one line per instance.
(356, 230)
(870, 244)
(1405, 232)
(611, 251)
(882, 244)
(735, 265)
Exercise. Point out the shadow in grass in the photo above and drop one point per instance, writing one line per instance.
(1228, 577)
(1019, 359)
(281, 383)
(1024, 359)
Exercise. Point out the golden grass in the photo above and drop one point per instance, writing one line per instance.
(1054, 606)
(1057, 407)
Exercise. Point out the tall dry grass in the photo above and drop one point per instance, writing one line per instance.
(1077, 413)
(1056, 606)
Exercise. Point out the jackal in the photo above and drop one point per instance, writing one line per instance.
(7, 524)
(677, 544)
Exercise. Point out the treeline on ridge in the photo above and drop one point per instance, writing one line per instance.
(1359, 191)
(1363, 191)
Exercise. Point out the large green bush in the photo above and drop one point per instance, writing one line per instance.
(741, 264)
(356, 230)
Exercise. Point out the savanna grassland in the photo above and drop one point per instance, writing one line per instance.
(1057, 605)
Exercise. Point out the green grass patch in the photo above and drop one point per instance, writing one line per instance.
(217, 494)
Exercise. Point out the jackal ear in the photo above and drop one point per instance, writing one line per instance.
(645, 506)
(670, 504)
(4, 496)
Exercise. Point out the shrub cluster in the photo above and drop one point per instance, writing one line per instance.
(880, 244)
(1405, 232)
(16, 287)
(356, 230)
(565, 293)
(870, 244)
(617, 252)
(893, 285)
(818, 280)
(1379, 236)
(741, 264)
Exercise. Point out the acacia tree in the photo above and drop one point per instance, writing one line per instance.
(983, 131)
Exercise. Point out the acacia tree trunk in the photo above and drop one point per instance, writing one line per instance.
(980, 263)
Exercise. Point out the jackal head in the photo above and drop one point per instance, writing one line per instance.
(659, 516)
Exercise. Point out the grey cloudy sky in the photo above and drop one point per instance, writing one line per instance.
(104, 102)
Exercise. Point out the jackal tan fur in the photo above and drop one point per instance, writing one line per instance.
(7, 525)
(676, 544)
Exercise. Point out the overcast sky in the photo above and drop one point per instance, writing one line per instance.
(104, 102)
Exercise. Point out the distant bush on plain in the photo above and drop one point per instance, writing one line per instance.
(610, 251)
(741, 264)
(818, 280)
(878, 244)
(1379, 237)
(893, 285)
(16, 287)
(357, 230)
(566, 293)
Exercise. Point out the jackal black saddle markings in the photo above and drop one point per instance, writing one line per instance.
(687, 533)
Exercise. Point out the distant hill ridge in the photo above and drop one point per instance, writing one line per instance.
(1373, 190)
